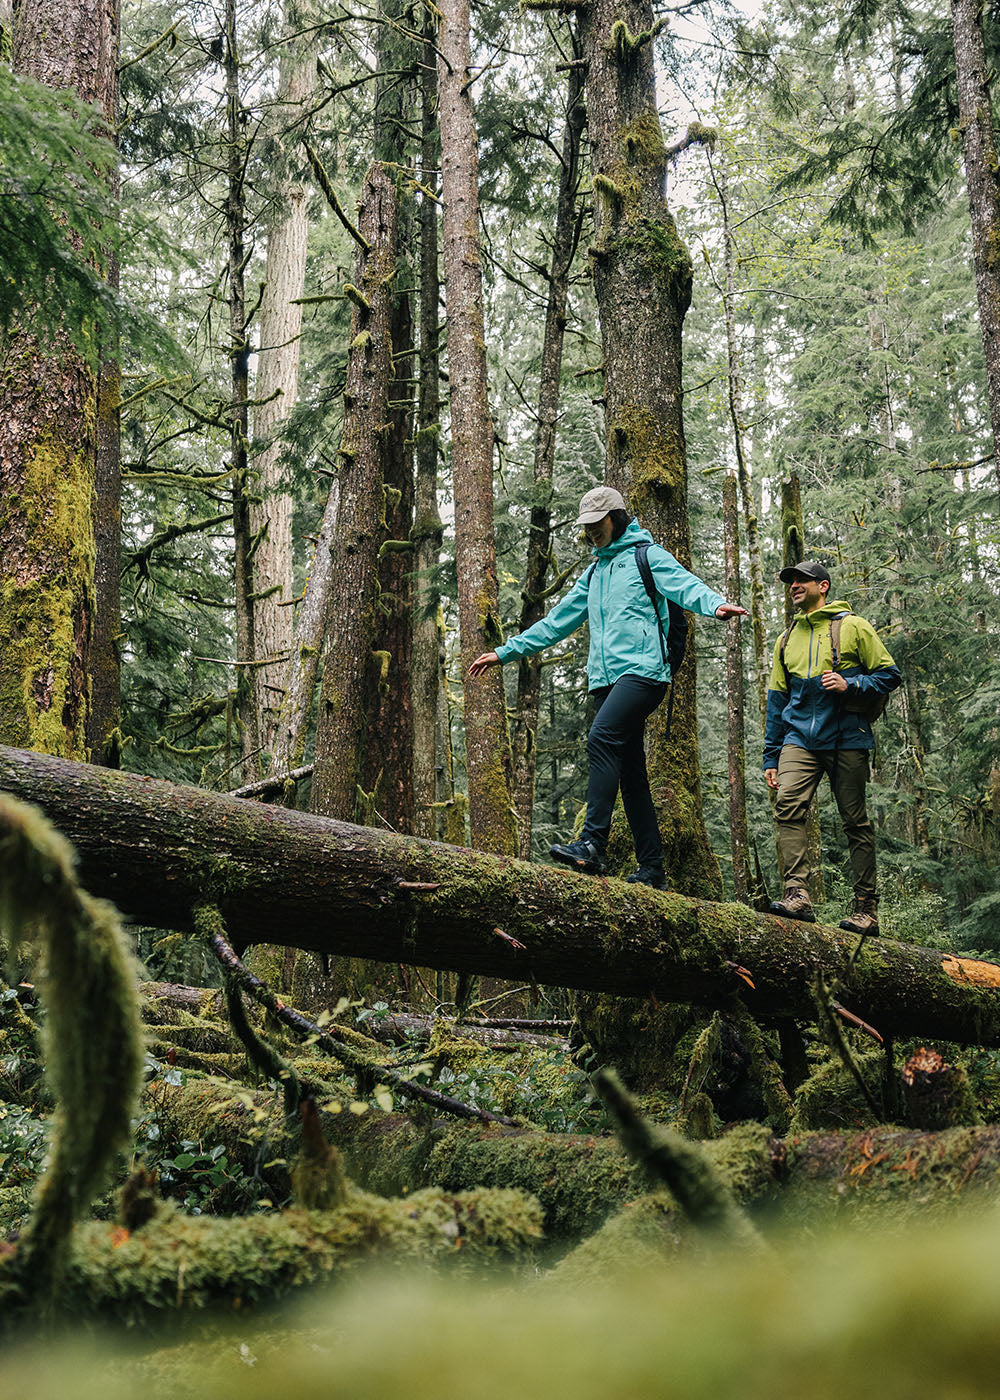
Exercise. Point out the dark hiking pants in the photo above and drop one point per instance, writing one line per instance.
(799, 775)
(617, 752)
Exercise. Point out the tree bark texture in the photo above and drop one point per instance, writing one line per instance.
(353, 603)
(277, 381)
(246, 686)
(911, 760)
(758, 625)
(426, 672)
(299, 680)
(387, 768)
(487, 743)
(739, 838)
(642, 281)
(49, 439)
(158, 850)
(529, 670)
(982, 177)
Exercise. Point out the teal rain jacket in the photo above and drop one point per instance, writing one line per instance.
(802, 712)
(612, 598)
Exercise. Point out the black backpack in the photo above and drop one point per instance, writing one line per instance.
(674, 644)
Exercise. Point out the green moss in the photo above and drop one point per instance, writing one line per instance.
(187, 1264)
(46, 607)
(830, 1097)
(93, 1062)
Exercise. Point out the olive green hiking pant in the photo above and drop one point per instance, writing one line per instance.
(799, 775)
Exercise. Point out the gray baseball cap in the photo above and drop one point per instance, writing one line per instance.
(598, 502)
(806, 568)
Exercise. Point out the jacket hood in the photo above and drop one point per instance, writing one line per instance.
(633, 534)
(828, 610)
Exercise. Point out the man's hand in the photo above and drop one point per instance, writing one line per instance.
(483, 663)
(830, 680)
(728, 610)
(771, 778)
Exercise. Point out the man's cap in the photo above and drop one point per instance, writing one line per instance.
(596, 504)
(806, 568)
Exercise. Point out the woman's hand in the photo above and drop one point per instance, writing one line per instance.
(728, 610)
(483, 663)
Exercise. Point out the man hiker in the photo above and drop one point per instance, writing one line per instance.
(830, 677)
(628, 670)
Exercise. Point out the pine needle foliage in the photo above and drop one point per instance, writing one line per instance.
(58, 217)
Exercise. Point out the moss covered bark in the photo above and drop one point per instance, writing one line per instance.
(353, 602)
(642, 280)
(159, 849)
(178, 1264)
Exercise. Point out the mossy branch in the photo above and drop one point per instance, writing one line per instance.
(682, 1166)
(92, 1038)
(359, 300)
(611, 192)
(696, 135)
(827, 1018)
(625, 45)
(327, 1039)
(323, 180)
(208, 923)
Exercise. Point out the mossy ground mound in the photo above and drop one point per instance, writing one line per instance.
(896, 1318)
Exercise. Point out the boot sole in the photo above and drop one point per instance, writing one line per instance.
(585, 867)
(800, 918)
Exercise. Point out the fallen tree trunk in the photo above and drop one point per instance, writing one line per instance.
(183, 1264)
(580, 1179)
(158, 850)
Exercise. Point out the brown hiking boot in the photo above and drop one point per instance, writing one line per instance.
(794, 904)
(863, 918)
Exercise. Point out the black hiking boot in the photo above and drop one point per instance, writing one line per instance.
(794, 904)
(581, 855)
(648, 875)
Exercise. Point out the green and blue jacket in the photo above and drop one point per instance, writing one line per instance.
(799, 710)
(612, 598)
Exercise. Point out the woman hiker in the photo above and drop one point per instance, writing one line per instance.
(628, 671)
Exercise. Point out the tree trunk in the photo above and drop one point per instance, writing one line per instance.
(529, 670)
(276, 387)
(758, 606)
(299, 680)
(49, 436)
(351, 619)
(487, 744)
(387, 763)
(246, 684)
(739, 837)
(158, 850)
(426, 671)
(642, 280)
(982, 177)
(911, 763)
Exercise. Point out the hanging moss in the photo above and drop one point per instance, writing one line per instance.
(92, 1043)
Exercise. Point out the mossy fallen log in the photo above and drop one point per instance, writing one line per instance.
(182, 1264)
(158, 850)
(580, 1180)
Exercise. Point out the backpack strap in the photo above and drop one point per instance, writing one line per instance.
(782, 641)
(835, 623)
(646, 574)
